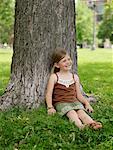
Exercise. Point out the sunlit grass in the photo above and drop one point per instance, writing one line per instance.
(6, 55)
(5, 63)
(96, 71)
(95, 56)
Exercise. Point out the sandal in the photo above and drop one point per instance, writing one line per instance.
(95, 125)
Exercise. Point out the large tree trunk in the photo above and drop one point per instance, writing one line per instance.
(40, 27)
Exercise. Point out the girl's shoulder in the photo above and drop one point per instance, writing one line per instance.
(53, 78)
(76, 77)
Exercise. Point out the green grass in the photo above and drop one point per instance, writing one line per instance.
(5, 63)
(95, 69)
(35, 130)
(86, 56)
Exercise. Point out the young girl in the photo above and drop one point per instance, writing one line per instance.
(64, 95)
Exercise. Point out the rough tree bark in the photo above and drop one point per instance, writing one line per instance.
(40, 27)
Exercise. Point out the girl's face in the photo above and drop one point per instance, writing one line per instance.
(65, 64)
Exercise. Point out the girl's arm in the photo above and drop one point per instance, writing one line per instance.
(80, 97)
(49, 93)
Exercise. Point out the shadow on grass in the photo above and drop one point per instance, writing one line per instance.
(34, 128)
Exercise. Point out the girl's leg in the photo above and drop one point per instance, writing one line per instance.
(84, 117)
(73, 116)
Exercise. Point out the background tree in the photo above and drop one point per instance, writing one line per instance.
(40, 27)
(106, 26)
(6, 20)
(84, 23)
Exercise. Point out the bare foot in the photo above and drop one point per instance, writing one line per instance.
(96, 125)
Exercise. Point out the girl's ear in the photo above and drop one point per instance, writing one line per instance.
(56, 65)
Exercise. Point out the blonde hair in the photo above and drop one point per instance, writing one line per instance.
(58, 54)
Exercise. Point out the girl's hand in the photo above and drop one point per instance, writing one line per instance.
(89, 108)
(51, 111)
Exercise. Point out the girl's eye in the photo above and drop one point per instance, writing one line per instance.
(64, 60)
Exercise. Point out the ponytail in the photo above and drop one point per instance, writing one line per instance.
(54, 69)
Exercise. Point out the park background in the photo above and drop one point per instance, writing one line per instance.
(21, 129)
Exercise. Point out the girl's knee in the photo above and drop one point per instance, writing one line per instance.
(71, 112)
(81, 113)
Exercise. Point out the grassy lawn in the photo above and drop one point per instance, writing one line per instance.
(35, 130)
(5, 63)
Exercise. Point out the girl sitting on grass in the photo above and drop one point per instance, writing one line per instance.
(64, 95)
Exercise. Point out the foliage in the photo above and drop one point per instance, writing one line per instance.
(84, 23)
(6, 20)
(34, 129)
(106, 26)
